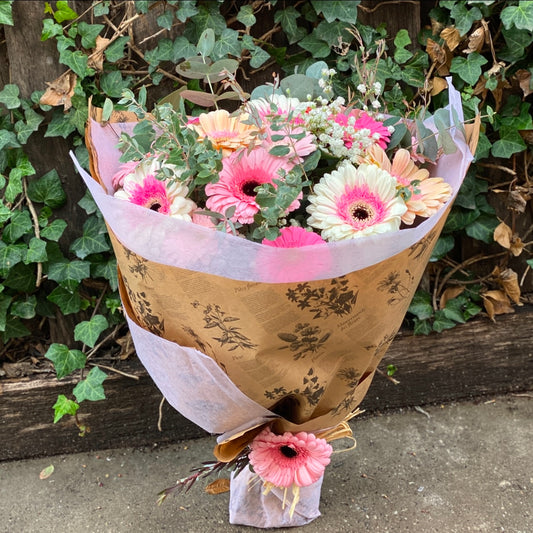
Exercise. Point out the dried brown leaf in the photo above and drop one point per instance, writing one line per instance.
(452, 37)
(524, 80)
(496, 303)
(449, 294)
(438, 85)
(127, 347)
(96, 60)
(218, 486)
(516, 202)
(440, 56)
(475, 41)
(60, 90)
(503, 235)
(509, 281)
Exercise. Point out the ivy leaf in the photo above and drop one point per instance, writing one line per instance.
(166, 19)
(287, 18)
(246, 15)
(65, 360)
(343, 10)
(482, 228)
(54, 230)
(36, 251)
(10, 255)
(421, 305)
(24, 309)
(186, 10)
(316, 47)
(15, 329)
(402, 39)
(88, 331)
(6, 16)
(60, 125)
(422, 327)
(332, 33)
(69, 270)
(182, 48)
(115, 51)
(89, 33)
(9, 96)
(511, 144)
(519, 16)
(469, 68)
(8, 139)
(77, 61)
(25, 128)
(453, 310)
(21, 277)
(112, 84)
(464, 18)
(87, 203)
(67, 301)
(91, 387)
(441, 322)
(19, 225)
(64, 12)
(93, 240)
(64, 406)
(108, 271)
(208, 16)
(48, 190)
(227, 44)
(259, 56)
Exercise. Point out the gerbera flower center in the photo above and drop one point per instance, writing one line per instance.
(249, 186)
(288, 452)
(362, 212)
(361, 208)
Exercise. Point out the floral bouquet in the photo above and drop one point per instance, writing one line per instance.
(266, 261)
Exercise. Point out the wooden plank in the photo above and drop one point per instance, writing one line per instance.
(476, 359)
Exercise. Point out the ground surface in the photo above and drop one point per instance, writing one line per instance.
(448, 469)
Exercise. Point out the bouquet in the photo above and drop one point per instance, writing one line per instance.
(266, 260)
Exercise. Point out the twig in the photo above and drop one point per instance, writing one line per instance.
(111, 369)
(36, 229)
(99, 345)
(160, 417)
(381, 4)
(390, 378)
(498, 167)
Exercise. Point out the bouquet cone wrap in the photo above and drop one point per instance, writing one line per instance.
(238, 335)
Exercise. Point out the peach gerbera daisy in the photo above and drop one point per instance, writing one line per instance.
(225, 132)
(428, 195)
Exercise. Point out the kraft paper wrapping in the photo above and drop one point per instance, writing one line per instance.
(236, 334)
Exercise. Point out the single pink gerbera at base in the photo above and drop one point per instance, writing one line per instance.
(295, 237)
(289, 459)
(241, 173)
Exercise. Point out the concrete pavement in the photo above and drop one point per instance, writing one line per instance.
(457, 468)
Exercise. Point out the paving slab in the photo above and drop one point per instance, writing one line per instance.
(451, 468)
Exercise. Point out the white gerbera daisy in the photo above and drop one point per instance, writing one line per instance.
(355, 202)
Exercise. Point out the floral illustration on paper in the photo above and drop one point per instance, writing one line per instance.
(304, 340)
(395, 286)
(215, 317)
(381, 347)
(312, 390)
(352, 377)
(143, 310)
(418, 249)
(339, 299)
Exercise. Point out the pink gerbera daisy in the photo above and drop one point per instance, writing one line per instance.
(289, 459)
(241, 173)
(295, 237)
(427, 195)
(157, 195)
(351, 203)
